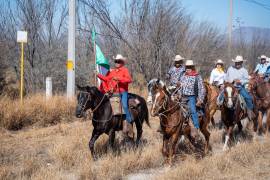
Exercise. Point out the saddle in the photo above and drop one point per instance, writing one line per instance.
(116, 104)
(117, 107)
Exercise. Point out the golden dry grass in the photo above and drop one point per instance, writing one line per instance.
(35, 111)
(61, 152)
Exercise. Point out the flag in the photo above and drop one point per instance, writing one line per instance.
(102, 64)
(100, 58)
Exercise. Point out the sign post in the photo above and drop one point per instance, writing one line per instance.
(22, 38)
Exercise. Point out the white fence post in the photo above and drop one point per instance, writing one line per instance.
(48, 87)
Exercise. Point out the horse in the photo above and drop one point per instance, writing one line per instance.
(211, 99)
(232, 112)
(173, 121)
(103, 119)
(261, 90)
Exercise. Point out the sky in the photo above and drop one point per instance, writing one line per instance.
(217, 11)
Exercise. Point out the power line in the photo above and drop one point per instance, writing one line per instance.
(265, 6)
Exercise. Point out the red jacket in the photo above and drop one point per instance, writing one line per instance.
(119, 86)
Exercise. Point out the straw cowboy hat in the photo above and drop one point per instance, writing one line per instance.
(189, 63)
(238, 59)
(120, 57)
(219, 61)
(178, 58)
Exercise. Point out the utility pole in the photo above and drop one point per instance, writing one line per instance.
(230, 30)
(71, 50)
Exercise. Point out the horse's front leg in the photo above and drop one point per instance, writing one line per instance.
(95, 135)
(165, 152)
(172, 147)
(227, 138)
(111, 138)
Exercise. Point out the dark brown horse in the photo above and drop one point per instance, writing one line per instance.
(261, 90)
(233, 112)
(103, 119)
(173, 120)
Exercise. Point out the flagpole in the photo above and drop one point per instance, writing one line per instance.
(95, 57)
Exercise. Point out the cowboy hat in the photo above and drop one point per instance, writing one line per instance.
(178, 58)
(120, 57)
(219, 61)
(238, 59)
(189, 63)
(262, 57)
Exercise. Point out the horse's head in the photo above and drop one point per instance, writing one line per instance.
(254, 81)
(86, 99)
(159, 95)
(230, 95)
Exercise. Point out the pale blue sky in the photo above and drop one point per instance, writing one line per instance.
(217, 11)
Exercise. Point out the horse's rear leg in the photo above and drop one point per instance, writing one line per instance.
(95, 135)
(268, 121)
(139, 130)
(259, 123)
(206, 135)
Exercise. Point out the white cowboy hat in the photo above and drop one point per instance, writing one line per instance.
(263, 57)
(238, 59)
(120, 57)
(189, 63)
(219, 61)
(268, 59)
(178, 58)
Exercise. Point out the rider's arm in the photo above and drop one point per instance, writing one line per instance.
(245, 77)
(103, 78)
(201, 88)
(211, 77)
(256, 69)
(125, 78)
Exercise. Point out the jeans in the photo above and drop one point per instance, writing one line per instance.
(193, 111)
(124, 101)
(243, 92)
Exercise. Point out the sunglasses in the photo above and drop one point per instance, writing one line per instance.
(118, 61)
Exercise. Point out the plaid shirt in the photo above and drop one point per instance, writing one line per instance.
(175, 74)
(188, 86)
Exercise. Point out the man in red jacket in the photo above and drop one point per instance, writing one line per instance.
(117, 81)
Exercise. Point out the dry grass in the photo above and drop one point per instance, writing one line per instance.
(35, 111)
(61, 152)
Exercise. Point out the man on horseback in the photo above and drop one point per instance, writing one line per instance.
(261, 68)
(238, 76)
(217, 76)
(117, 81)
(176, 72)
(192, 88)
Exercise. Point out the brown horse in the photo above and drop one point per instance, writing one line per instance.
(261, 90)
(172, 119)
(211, 102)
(232, 112)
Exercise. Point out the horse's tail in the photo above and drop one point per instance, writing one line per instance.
(146, 117)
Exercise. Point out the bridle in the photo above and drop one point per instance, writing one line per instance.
(83, 106)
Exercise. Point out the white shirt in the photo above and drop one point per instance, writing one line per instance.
(217, 76)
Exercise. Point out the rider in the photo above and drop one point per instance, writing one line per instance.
(192, 88)
(177, 71)
(262, 66)
(118, 80)
(217, 76)
(238, 75)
